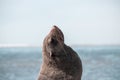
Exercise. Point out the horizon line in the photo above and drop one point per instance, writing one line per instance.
(74, 45)
(18, 45)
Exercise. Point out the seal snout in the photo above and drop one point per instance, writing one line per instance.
(54, 28)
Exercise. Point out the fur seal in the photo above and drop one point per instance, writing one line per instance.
(60, 62)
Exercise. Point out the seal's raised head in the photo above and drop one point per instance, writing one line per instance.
(54, 41)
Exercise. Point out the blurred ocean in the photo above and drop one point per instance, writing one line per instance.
(99, 63)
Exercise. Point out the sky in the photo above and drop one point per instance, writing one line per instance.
(83, 22)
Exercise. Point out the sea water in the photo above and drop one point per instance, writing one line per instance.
(23, 63)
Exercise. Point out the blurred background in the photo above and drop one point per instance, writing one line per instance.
(90, 27)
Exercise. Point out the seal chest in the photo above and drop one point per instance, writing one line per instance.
(60, 62)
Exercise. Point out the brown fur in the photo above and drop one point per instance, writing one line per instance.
(60, 62)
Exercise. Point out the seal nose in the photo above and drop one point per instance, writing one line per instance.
(54, 27)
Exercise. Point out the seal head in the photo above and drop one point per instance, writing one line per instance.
(54, 42)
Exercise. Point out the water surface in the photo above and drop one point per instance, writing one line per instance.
(99, 63)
